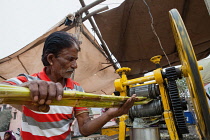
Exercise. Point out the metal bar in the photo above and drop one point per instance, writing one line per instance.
(95, 12)
(83, 9)
(104, 46)
(139, 80)
(87, 7)
(170, 122)
(149, 83)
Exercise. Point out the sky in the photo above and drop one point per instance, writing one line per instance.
(23, 21)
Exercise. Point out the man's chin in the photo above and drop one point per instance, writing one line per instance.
(67, 75)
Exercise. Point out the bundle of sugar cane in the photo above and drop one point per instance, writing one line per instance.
(21, 96)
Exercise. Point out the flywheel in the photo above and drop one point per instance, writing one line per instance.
(191, 72)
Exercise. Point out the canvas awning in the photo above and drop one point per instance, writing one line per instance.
(94, 72)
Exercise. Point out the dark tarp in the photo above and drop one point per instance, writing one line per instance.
(128, 34)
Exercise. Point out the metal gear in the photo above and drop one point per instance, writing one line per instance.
(175, 101)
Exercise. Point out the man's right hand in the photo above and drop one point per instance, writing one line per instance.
(43, 93)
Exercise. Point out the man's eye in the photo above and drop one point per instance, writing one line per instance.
(72, 59)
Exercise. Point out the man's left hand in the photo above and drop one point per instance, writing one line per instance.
(115, 112)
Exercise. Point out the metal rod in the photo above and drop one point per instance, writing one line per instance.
(149, 83)
(87, 7)
(104, 46)
(139, 80)
(81, 10)
(95, 12)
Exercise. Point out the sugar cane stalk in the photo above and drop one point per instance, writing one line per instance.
(21, 95)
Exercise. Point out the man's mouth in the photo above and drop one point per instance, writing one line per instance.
(71, 70)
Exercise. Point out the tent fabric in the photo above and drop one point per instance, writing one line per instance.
(205, 73)
(127, 32)
(91, 73)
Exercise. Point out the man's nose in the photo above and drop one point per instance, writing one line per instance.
(74, 64)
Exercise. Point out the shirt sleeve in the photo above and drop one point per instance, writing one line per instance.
(17, 80)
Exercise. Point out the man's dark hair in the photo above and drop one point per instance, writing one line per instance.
(57, 41)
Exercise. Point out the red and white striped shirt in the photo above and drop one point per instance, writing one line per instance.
(53, 125)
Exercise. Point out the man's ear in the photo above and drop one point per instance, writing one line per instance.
(50, 58)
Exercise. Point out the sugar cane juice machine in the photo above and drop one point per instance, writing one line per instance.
(162, 88)
(157, 94)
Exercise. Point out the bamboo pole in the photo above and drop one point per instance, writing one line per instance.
(21, 96)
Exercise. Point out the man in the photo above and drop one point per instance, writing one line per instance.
(59, 57)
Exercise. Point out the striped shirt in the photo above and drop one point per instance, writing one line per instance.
(53, 125)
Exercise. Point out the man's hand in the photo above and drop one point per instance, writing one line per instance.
(115, 112)
(43, 93)
(88, 126)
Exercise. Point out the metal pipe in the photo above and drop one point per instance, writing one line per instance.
(87, 7)
(149, 83)
(94, 12)
(139, 80)
(104, 46)
(79, 12)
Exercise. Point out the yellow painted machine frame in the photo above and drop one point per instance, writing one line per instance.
(189, 69)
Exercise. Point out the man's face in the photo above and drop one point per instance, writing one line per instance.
(64, 65)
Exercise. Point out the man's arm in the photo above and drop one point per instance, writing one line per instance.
(88, 126)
